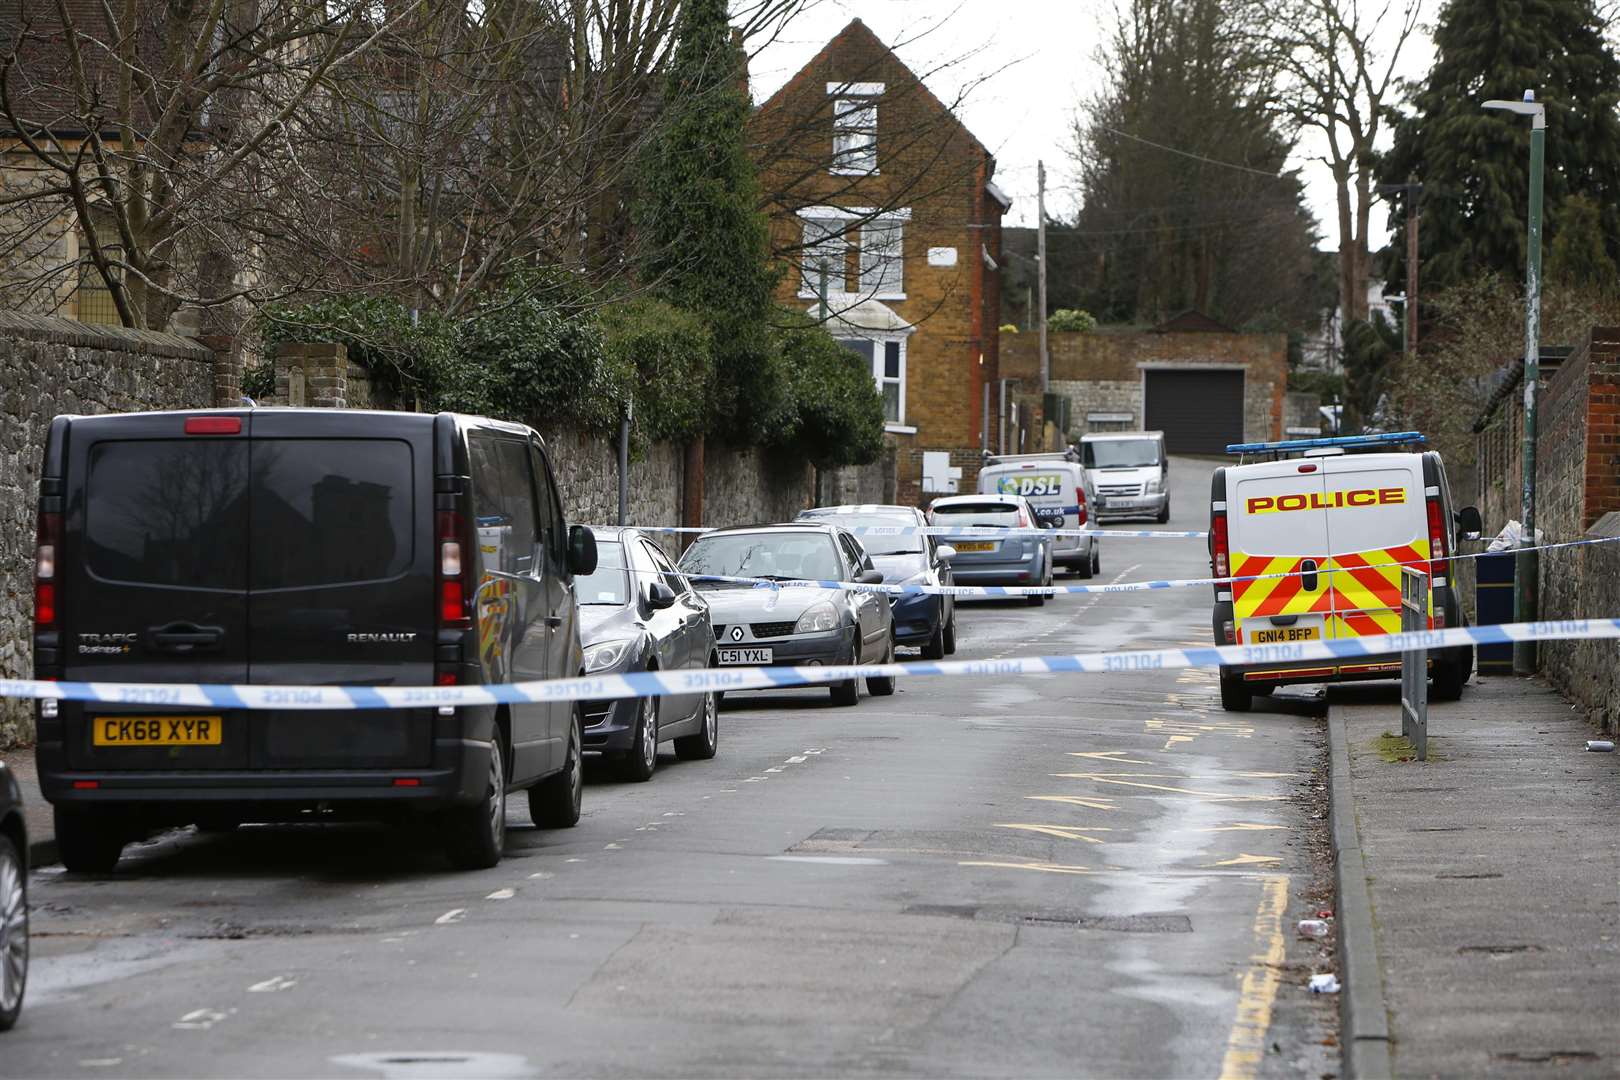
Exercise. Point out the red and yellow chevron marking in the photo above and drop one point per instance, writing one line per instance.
(1359, 592)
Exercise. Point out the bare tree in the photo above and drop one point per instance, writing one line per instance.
(1336, 62)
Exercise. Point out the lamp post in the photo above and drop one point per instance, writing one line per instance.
(1525, 566)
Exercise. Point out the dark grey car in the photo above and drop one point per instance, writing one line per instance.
(13, 900)
(638, 613)
(757, 626)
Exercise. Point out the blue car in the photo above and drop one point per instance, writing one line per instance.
(923, 620)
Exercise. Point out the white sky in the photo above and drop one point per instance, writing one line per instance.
(1036, 60)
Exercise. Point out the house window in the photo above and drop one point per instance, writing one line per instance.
(887, 359)
(854, 136)
(881, 245)
(94, 300)
(826, 246)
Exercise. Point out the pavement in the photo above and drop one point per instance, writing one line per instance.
(1064, 875)
(1484, 929)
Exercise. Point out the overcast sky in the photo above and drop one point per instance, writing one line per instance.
(1033, 61)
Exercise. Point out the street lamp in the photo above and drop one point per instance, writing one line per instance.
(1524, 570)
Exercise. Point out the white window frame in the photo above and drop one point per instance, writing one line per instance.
(880, 342)
(869, 286)
(855, 128)
(837, 247)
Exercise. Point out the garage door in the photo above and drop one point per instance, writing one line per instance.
(1200, 412)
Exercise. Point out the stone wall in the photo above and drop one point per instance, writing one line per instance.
(48, 367)
(1098, 398)
(1584, 582)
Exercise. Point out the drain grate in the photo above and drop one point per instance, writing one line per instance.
(1465, 877)
(1499, 950)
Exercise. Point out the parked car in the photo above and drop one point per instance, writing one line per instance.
(13, 900)
(293, 546)
(1060, 493)
(927, 621)
(638, 613)
(765, 627)
(1022, 559)
(1131, 471)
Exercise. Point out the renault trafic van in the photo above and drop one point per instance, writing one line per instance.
(303, 547)
(1340, 518)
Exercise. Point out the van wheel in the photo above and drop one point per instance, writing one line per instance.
(882, 685)
(1446, 684)
(1164, 515)
(475, 836)
(703, 745)
(89, 842)
(1236, 696)
(554, 803)
(641, 760)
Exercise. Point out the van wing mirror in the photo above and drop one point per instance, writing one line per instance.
(581, 550)
(660, 596)
(1469, 522)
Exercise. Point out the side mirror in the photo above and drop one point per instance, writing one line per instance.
(1469, 522)
(581, 550)
(945, 552)
(870, 577)
(660, 596)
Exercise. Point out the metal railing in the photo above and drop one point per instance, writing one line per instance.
(1415, 663)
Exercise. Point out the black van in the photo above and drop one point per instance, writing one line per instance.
(303, 546)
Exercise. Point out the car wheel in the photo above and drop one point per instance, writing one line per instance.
(476, 835)
(555, 802)
(882, 685)
(934, 648)
(1089, 567)
(950, 636)
(1096, 559)
(847, 692)
(13, 933)
(641, 760)
(89, 843)
(703, 745)
(1236, 696)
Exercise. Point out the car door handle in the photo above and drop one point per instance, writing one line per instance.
(554, 621)
(186, 637)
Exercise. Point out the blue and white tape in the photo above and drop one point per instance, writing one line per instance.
(962, 532)
(660, 683)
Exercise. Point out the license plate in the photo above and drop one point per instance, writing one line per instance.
(157, 731)
(746, 656)
(1273, 635)
(974, 545)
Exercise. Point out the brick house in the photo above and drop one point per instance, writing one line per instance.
(882, 200)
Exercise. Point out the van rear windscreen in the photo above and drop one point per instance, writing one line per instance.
(168, 513)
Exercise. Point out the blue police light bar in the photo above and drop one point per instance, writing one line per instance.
(1384, 439)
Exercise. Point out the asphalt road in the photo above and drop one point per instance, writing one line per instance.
(1054, 876)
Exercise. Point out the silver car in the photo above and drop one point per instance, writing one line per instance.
(1022, 559)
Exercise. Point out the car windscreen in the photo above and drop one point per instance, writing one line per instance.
(168, 513)
(609, 583)
(782, 556)
(1120, 453)
(330, 511)
(876, 545)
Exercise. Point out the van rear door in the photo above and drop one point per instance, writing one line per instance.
(155, 538)
(1376, 519)
(1276, 525)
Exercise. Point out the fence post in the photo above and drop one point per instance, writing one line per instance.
(1415, 662)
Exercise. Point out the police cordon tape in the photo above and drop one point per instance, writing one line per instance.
(704, 680)
(972, 592)
(964, 532)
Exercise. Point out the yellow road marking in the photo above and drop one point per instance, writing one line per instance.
(1050, 868)
(1246, 1045)
(1172, 740)
(1109, 755)
(1248, 860)
(1075, 800)
(1219, 796)
(1063, 832)
(1241, 827)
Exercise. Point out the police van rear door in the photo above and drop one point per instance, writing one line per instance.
(1276, 526)
(1376, 521)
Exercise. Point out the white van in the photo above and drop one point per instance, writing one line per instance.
(1057, 487)
(1131, 473)
(1341, 517)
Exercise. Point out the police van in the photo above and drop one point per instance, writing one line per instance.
(1061, 493)
(1339, 518)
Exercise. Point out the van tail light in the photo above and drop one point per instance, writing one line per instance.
(1439, 553)
(47, 551)
(453, 599)
(1220, 555)
(213, 425)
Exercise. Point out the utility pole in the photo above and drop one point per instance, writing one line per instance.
(1040, 255)
(1525, 569)
(1413, 190)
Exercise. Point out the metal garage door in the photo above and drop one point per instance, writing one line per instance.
(1200, 412)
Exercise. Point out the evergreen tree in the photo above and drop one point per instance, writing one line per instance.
(704, 242)
(1475, 164)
